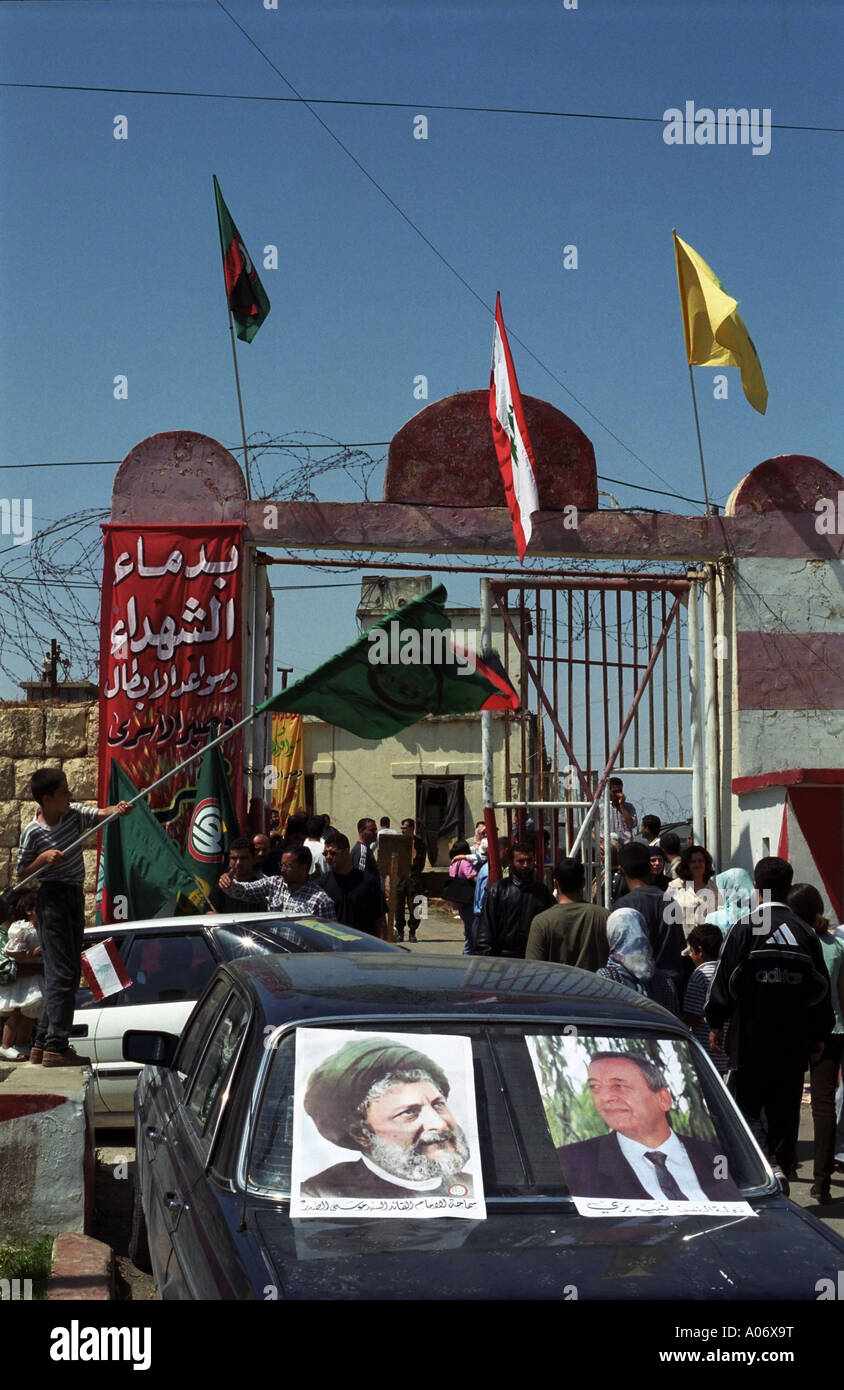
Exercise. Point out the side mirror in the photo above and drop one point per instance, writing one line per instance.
(147, 1047)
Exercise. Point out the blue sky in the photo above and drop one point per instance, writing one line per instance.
(112, 261)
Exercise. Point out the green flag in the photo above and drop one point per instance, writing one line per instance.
(408, 665)
(140, 867)
(246, 295)
(213, 824)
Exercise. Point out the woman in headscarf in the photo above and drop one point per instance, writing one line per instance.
(736, 889)
(694, 888)
(631, 960)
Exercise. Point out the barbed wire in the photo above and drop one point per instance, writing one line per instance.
(51, 587)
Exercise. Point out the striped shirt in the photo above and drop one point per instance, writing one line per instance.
(310, 900)
(38, 837)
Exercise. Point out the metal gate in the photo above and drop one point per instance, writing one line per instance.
(608, 685)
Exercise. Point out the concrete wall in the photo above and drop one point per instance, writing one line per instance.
(789, 693)
(44, 735)
(369, 777)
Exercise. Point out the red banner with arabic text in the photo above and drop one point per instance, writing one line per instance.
(170, 658)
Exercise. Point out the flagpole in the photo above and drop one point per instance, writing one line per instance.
(699, 444)
(691, 377)
(139, 796)
(240, 409)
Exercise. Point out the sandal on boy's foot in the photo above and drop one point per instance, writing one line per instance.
(11, 1054)
(36, 1056)
(68, 1058)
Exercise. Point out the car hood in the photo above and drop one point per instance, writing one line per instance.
(551, 1254)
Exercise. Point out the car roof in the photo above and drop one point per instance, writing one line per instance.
(193, 920)
(309, 987)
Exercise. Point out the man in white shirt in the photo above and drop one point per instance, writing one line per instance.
(643, 1157)
(315, 843)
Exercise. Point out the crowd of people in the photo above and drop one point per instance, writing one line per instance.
(313, 868)
(750, 964)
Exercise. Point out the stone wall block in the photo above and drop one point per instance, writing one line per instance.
(7, 779)
(81, 776)
(10, 824)
(89, 859)
(21, 731)
(65, 734)
(92, 732)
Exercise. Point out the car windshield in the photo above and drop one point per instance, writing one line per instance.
(305, 934)
(234, 940)
(541, 1092)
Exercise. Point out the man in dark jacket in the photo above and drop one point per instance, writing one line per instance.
(510, 906)
(357, 897)
(662, 923)
(772, 986)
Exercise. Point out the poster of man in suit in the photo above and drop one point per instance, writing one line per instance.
(636, 1136)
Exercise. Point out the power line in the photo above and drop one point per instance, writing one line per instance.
(419, 106)
(368, 444)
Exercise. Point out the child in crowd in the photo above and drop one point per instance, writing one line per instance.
(48, 848)
(702, 946)
(23, 997)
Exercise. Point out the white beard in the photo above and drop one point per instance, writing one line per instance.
(416, 1163)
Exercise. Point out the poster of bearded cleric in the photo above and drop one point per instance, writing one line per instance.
(384, 1124)
(632, 1131)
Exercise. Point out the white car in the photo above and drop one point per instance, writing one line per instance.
(169, 961)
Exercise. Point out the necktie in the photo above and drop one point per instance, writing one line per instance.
(667, 1184)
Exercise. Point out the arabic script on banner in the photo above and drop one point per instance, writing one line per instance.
(170, 654)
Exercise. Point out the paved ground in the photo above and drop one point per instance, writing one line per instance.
(441, 934)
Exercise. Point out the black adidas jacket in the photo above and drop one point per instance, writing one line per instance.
(773, 987)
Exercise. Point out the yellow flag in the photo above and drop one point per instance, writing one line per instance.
(715, 332)
(287, 792)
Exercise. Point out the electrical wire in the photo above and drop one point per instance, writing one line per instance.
(419, 106)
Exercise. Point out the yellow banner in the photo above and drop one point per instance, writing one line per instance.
(287, 789)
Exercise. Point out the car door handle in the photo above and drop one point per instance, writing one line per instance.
(155, 1136)
(173, 1202)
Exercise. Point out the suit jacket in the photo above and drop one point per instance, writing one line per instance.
(598, 1168)
(354, 1179)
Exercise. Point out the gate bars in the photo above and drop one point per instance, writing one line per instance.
(619, 626)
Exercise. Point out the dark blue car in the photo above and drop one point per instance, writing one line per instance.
(215, 1123)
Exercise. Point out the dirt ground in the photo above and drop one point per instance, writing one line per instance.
(113, 1211)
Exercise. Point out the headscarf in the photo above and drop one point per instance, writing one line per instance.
(736, 888)
(339, 1085)
(630, 949)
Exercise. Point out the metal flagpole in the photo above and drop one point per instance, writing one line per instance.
(240, 409)
(699, 444)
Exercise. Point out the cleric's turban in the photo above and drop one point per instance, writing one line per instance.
(338, 1087)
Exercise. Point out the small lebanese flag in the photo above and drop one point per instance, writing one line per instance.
(510, 434)
(104, 970)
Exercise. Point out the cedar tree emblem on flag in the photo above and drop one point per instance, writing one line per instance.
(247, 298)
(512, 441)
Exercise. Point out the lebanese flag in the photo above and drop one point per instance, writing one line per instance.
(104, 970)
(511, 438)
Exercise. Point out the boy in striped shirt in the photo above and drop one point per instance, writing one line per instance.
(60, 906)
